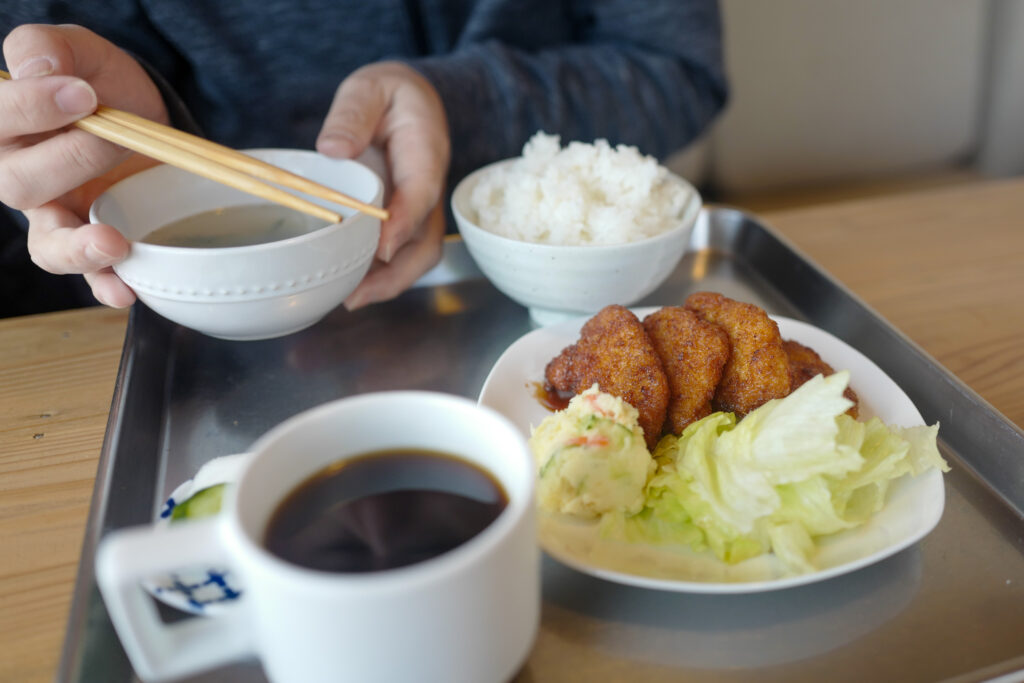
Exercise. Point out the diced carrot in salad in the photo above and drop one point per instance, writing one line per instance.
(592, 441)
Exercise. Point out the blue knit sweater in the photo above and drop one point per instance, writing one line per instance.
(256, 73)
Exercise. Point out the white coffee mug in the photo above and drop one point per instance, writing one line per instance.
(470, 614)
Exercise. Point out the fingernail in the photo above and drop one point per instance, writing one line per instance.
(98, 256)
(76, 98)
(355, 301)
(37, 66)
(334, 145)
(385, 253)
(100, 297)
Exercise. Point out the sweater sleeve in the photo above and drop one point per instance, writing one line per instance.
(648, 74)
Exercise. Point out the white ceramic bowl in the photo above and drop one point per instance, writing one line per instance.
(251, 292)
(557, 281)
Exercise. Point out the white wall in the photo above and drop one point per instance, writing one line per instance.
(1001, 135)
(827, 91)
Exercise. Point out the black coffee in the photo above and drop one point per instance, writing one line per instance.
(384, 510)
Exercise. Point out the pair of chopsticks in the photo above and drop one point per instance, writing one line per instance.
(215, 162)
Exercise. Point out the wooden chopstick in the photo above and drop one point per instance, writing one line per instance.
(216, 162)
(235, 159)
(175, 156)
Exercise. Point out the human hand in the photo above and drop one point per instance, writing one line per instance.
(52, 171)
(391, 105)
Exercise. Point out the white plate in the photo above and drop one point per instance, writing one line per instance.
(199, 590)
(913, 506)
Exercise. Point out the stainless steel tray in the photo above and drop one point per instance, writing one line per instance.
(950, 607)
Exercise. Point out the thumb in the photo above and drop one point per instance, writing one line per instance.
(354, 116)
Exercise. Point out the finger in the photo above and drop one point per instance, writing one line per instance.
(59, 243)
(416, 257)
(35, 171)
(118, 79)
(37, 105)
(33, 176)
(417, 145)
(411, 202)
(418, 173)
(357, 109)
(37, 50)
(109, 289)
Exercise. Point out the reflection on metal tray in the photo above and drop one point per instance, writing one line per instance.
(948, 607)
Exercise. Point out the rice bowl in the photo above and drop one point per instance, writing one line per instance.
(557, 281)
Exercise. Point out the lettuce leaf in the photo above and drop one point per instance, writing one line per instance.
(794, 469)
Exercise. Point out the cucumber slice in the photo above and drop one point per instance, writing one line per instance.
(204, 503)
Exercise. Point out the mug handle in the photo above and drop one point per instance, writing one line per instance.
(158, 650)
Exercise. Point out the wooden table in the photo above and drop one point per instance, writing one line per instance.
(945, 266)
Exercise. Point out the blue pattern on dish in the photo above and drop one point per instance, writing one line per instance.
(169, 506)
(199, 590)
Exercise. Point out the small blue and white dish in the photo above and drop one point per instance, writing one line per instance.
(199, 590)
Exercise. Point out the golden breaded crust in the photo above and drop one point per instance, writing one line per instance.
(694, 353)
(615, 352)
(559, 373)
(758, 369)
(805, 363)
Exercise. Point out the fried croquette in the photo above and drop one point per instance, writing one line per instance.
(559, 373)
(694, 353)
(615, 352)
(805, 363)
(758, 369)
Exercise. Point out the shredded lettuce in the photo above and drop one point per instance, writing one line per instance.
(794, 469)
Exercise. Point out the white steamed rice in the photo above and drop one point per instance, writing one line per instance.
(580, 194)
